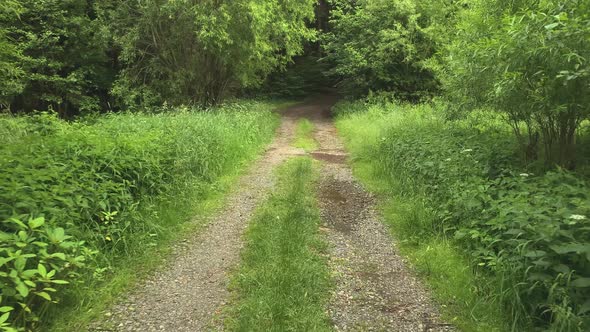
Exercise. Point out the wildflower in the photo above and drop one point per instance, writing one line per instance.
(524, 175)
(577, 217)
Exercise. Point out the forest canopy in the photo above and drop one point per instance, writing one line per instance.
(77, 55)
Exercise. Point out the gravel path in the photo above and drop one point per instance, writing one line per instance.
(185, 294)
(375, 290)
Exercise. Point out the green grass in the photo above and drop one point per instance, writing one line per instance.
(462, 293)
(175, 219)
(153, 174)
(303, 138)
(283, 282)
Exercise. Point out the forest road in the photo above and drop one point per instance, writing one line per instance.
(374, 290)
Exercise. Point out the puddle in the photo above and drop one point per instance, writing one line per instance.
(329, 157)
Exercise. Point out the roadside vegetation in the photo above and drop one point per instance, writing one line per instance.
(503, 244)
(283, 282)
(81, 198)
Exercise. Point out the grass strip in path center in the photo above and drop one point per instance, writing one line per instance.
(283, 282)
(303, 135)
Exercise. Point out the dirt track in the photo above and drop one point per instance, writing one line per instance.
(374, 290)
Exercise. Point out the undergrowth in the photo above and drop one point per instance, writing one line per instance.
(283, 282)
(494, 238)
(84, 203)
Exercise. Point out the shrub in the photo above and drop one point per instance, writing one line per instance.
(531, 231)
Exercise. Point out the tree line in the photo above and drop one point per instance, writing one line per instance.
(75, 56)
(527, 60)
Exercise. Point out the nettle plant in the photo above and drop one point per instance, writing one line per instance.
(35, 258)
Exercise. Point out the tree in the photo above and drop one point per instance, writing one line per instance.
(63, 56)
(529, 60)
(11, 74)
(380, 45)
(186, 52)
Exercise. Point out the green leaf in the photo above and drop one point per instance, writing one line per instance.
(581, 283)
(22, 289)
(44, 295)
(4, 317)
(36, 223)
(551, 26)
(42, 270)
(60, 282)
(6, 309)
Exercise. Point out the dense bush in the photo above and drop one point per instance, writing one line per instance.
(529, 60)
(531, 231)
(76, 56)
(379, 46)
(72, 194)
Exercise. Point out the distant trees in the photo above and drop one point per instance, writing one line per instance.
(380, 45)
(84, 55)
(197, 51)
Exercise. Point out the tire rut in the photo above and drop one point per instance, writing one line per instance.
(374, 288)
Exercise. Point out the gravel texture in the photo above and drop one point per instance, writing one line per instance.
(188, 292)
(375, 290)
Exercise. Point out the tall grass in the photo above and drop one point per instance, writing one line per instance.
(121, 183)
(283, 281)
(469, 212)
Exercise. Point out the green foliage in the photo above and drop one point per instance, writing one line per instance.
(35, 258)
(10, 72)
(528, 231)
(93, 180)
(283, 282)
(380, 45)
(78, 56)
(198, 52)
(528, 60)
(305, 76)
(59, 56)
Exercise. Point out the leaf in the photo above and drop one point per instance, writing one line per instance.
(60, 282)
(36, 223)
(4, 317)
(551, 26)
(42, 270)
(535, 253)
(22, 289)
(20, 263)
(6, 309)
(581, 283)
(44, 295)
